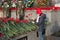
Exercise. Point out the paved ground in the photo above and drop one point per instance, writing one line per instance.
(53, 38)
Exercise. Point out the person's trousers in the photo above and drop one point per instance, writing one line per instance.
(41, 37)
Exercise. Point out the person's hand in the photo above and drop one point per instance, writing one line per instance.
(33, 19)
(33, 22)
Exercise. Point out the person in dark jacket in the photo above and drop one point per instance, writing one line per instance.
(40, 22)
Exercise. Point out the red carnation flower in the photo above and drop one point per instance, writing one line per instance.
(17, 20)
(1, 34)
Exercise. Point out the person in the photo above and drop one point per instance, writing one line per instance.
(40, 22)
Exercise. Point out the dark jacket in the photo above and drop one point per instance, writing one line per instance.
(41, 22)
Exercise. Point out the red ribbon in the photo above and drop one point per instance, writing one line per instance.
(24, 21)
(6, 19)
(13, 8)
(11, 19)
(38, 10)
